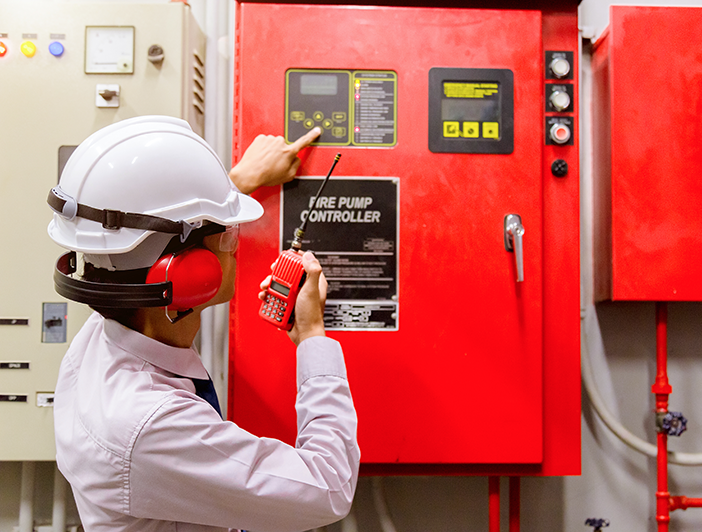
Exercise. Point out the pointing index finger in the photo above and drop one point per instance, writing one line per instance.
(306, 139)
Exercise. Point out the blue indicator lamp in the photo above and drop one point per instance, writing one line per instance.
(56, 49)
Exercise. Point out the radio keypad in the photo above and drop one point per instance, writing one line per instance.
(274, 307)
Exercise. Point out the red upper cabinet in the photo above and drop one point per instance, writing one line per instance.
(647, 70)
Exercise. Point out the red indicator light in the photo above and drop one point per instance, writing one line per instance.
(3, 49)
(358, 96)
(560, 133)
(357, 129)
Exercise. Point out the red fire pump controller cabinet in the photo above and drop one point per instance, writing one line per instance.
(448, 232)
(648, 156)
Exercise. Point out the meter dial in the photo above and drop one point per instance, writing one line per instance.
(109, 50)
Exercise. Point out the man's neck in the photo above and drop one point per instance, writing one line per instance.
(152, 322)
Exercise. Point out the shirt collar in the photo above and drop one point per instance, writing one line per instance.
(181, 361)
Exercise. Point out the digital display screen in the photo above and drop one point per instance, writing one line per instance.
(284, 290)
(471, 101)
(319, 84)
(470, 110)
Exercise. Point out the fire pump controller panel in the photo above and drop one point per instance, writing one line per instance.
(448, 233)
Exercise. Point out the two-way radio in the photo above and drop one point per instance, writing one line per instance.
(289, 275)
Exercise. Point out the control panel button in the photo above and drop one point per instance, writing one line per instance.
(560, 67)
(471, 130)
(297, 116)
(28, 48)
(309, 123)
(327, 123)
(559, 133)
(560, 100)
(491, 130)
(451, 129)
(318, 116)
(56, 49)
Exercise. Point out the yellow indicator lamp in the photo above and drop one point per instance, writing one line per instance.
(28, 48)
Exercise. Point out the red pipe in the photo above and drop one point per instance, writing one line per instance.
(662, 389)
(494, 503)
(514, 504)
(683, 503)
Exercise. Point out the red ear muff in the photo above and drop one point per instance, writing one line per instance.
(196, 276)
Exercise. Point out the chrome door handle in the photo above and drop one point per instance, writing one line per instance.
(513, 232)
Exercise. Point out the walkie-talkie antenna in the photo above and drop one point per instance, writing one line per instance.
(300, 231)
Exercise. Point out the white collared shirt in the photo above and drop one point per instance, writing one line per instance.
(143, 452)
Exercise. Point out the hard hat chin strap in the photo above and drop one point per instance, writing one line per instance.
(69, 208)
(108, 295)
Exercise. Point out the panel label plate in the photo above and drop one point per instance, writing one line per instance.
(354, 234)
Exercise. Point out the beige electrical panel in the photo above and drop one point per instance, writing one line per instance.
(66, 70)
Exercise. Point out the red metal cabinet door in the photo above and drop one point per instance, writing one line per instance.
(648, 91)
(460, 381)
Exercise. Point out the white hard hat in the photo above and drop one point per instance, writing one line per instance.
(139, 177)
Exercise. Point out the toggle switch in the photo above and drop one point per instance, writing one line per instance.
(107, 95)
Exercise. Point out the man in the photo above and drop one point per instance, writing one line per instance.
(138, 433)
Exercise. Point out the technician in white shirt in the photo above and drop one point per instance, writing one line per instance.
(154, 216)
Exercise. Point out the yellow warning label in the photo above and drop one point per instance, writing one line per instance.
(469, 90)
(452, 129)
(491, 130)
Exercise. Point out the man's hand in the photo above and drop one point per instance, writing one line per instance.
(269, 161)
(309, 308)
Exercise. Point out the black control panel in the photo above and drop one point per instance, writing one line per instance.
(471, 110)
(352, 107)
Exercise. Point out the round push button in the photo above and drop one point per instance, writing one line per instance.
(559, 133)
(559, 100)
(560, 67)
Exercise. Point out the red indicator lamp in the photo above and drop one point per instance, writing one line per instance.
(3, 49)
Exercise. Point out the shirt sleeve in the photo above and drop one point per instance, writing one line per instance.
(187, 465)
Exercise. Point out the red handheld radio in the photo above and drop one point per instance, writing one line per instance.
(289, 275)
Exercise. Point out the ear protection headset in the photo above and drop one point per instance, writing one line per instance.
(179, 280)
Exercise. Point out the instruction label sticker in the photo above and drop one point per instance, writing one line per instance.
(354, 234)
(375, 108)
(454, 89)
